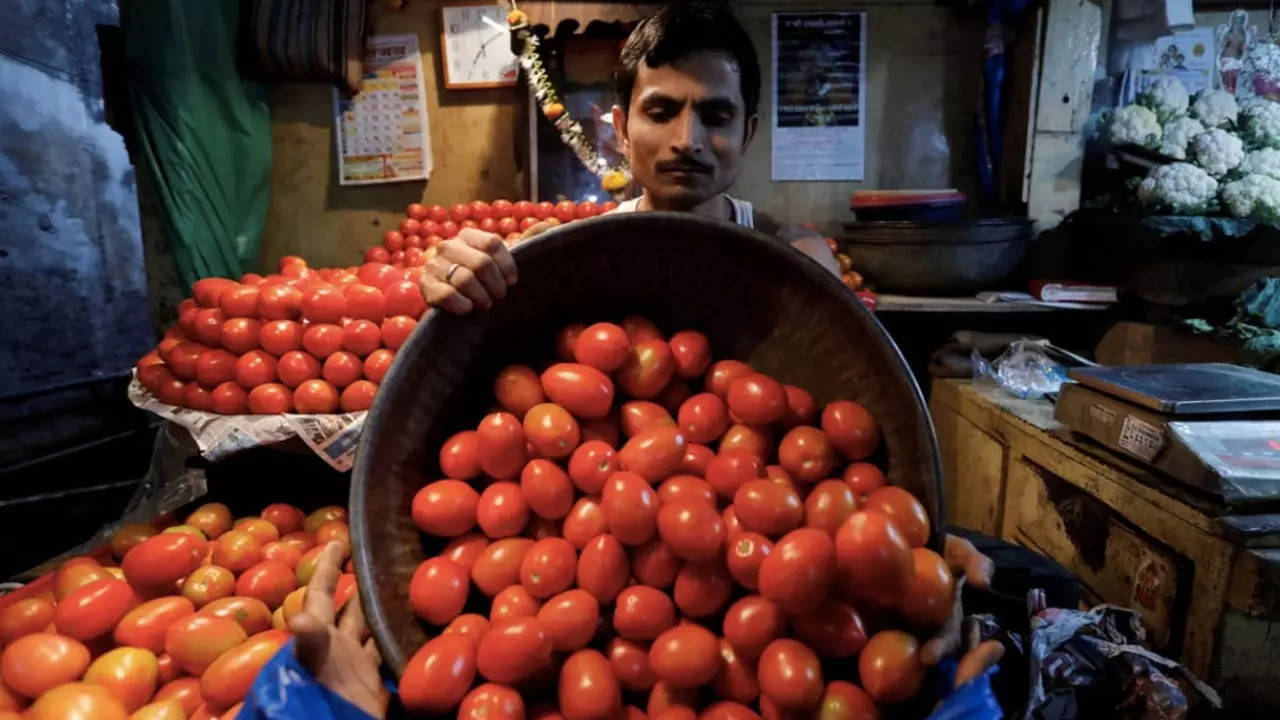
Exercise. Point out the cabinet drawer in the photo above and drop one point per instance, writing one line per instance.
(1115, 560)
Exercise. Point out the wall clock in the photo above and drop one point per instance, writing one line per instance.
(475, 45)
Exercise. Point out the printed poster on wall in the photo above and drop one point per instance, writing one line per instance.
(819, 98)
(381, 132)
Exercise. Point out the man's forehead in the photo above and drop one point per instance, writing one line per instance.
(701, 74)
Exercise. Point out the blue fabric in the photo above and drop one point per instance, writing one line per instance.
(975, 700)
(284, 690)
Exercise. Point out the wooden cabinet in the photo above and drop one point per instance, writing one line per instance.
(1132, 538)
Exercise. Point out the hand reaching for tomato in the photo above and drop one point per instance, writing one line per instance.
(967, 565)
(330, 647)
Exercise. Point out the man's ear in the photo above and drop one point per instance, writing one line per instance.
(620, 128)
(749, 134)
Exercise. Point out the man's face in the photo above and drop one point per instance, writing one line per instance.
(686, 129)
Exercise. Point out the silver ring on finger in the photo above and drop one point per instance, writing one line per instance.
(448, 274)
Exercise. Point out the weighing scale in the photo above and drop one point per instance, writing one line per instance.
(1213, 426)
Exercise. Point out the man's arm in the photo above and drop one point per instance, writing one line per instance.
(806, 241)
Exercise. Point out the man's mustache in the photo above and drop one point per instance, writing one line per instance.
(684, 164)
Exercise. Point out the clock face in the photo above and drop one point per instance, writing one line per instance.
(477, 46)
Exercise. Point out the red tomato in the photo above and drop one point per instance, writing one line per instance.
(640, 329)
(904, 510)
(77, 700)
(846, 701)
(548, 567)
(702, 589)
(696, 459)
(410, 226)
(834, 630)
(630, 508)
(365, 302)
(728, 710)
(723, 373)
(197, 640)
(648, 369)
(751, 623)
(642, 613)
(279, 302)
(459, 456)
(873, 557)
(584, 521)
(184, 691)
(851, 429)
(930, 597)
(378, 274)
(237, 551)
(863, 478)
(299, 539)
(640, 415)
(469, 625)
(24, 617)
(269, 581)
(184, 358)
(438, 590)
(418, 212)
(282, 552)
(491, 702)
(518, 389)
(736, 679)
(543, 210)
(207, 326)
(547, 489)
(747, 551)
(587, 209)
(513, 649)
(255, 368)
(438, 676)
(828, 505)
(686, 487)
(208, 583)
(197, 398)
(589, 688)
(692, 353)
(145, 625)
(603, 346)
(591, 464)
(239, 335)
(393, 240)
(460, 212)
(685, 656)
(655, 564)
(230, 399)
(501, 208)
(767, 507)
(731, 469)
(162, 560)
(565, 211)
(570, 619)
(270, 399)
(779, 474)
(603, 568)
(128, 673)
(581, 389)
(703, 418)
(603, 429)
(324, 304)
(498, 564)
(285, 517)
(566, 339)
(37, 662)
(797, 574)
(229, 678)
(331, 531)
(438, 213)
(395, 330)
(692, 529)
(322, 339)
(806, 454)
(449, 229)
(315, 397)
(790, 675)
(731, 525)
(445, 508)
(280, 336)
(752, 439)
(404, 298)
(323, 516)
(756, 399)
(630, 661)
(362, 337)
(501, 444)
(501, 510)
(296, 367)
(890, 668)
(551, 430)
(377, 364)
(654, 454)
(673, 395)
(377, 254)
(800, 407)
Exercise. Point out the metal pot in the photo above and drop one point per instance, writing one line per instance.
(958, 257)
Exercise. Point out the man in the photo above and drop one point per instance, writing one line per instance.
(688, 88)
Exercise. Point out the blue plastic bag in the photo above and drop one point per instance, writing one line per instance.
(284, 690)
(975, 700)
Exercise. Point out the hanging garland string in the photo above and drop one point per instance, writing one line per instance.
(613, 180)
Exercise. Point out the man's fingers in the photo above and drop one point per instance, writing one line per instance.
(469, 285)
(963, 557)
(371, 649)
(976, 661)
(482, 266)
(352, 622)
(318, 600)
(947, 640)
(493, 246)
(311, 637)
(437, 294)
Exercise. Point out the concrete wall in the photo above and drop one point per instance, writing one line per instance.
(923, 72)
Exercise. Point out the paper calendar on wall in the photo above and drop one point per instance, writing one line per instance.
(382, 133)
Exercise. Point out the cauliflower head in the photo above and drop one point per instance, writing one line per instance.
(1166, 97)
(1217, 151)
(1176, 136)
(1181, 188)
(1261, 162)
(1255, 196)
(1134, 124)
(1215, 108)
(1260, 123)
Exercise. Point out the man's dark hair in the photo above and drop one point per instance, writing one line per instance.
(683, 28)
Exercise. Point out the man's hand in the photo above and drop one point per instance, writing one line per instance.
(331, 649)
(471, 270)
(967, 565)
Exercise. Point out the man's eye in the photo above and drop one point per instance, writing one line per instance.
(659, 115)
(717, 119)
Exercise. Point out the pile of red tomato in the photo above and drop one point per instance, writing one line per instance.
(426, 226)
(650, 533)
(169, 622)
(304, 340)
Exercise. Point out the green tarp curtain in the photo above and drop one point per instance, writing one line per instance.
(205, 132)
